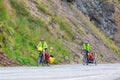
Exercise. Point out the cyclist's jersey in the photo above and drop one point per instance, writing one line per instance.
(43, 45)
(86, 47)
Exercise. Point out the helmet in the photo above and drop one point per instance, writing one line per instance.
(86, 41)
(51, 48)
(39, 49)
(41, 39)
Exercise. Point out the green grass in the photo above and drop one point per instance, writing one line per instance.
(59, 50)
(119, 1)
(20, 7)
(3, 14)
(80, 30)
(64, 26)
(23, 32)
(100, 54)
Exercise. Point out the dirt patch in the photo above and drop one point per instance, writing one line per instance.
(6, 61)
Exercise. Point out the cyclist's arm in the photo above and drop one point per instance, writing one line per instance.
(38, 45)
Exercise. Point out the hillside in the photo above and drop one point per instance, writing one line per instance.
(64, 26)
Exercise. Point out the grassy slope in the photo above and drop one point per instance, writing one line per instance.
(21, 33)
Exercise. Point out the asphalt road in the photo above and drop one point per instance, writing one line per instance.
(62, 72)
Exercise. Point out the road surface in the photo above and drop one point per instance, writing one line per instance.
(62, 72)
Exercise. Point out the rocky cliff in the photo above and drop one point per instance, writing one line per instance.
(101, 13)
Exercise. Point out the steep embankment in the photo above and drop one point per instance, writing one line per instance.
(117, 22)
(6, 61)
(61, 24)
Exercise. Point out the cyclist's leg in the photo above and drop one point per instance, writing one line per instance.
(87, 56)
(41, 57)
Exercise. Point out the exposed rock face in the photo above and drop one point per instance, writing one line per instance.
(101, 13)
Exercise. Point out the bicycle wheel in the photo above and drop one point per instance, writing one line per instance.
(39, 59)
(95, 62)
(84, 60)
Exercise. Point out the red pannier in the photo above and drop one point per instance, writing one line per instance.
(90, 57)
(47, 56)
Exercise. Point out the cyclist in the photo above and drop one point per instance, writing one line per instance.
(51, 59)
(86, 48)
(42, 47)
(51, 51)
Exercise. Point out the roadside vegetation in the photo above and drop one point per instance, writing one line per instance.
(20, 34)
